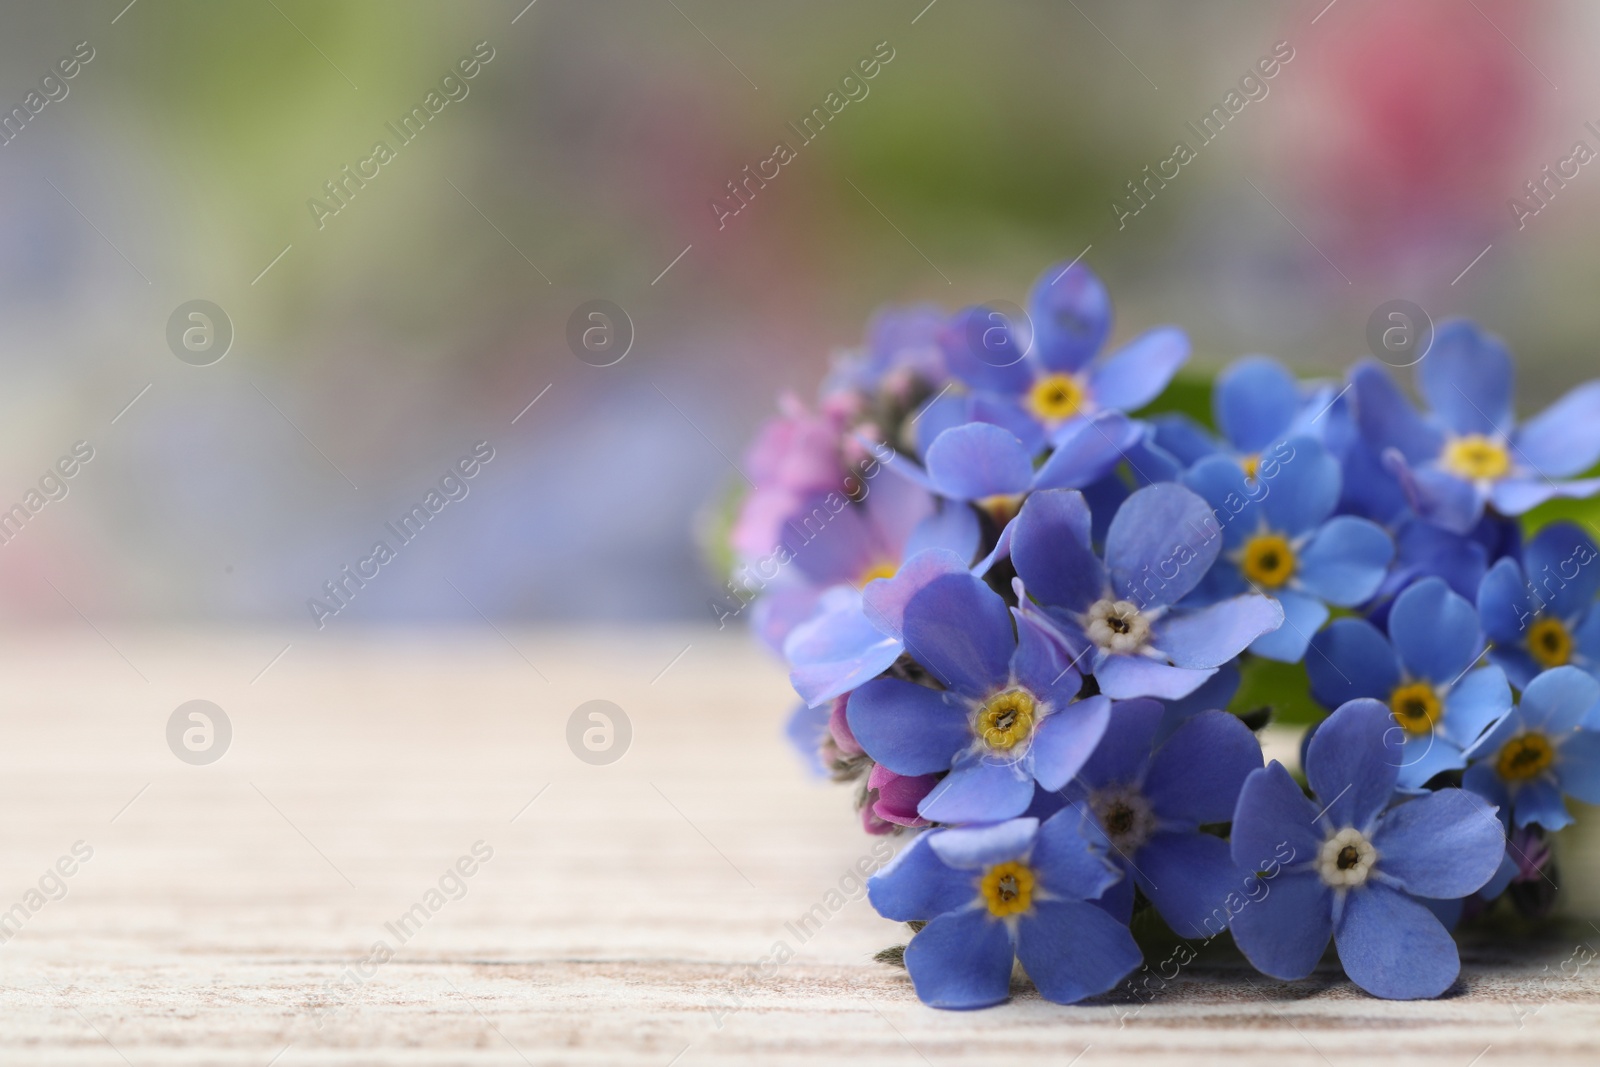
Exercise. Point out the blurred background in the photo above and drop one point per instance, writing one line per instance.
(374, 346)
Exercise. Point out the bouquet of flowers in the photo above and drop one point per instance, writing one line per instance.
(1035, 631)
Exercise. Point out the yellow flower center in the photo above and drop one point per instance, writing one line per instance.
(1416, 707)
(1007, 889)
(1524, 757)
(1268, 560)
(1476, 457)
(1549, 642)
(1006, 719)
(1251, 465)
(1002, 507)
(1057, 397)
(876, 571)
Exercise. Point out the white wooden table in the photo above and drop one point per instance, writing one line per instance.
(619, 917)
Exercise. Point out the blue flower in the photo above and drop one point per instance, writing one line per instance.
(1282, 540)
(1046, 370)
(1423, 671)
(1256, 403)
(1359, 865)
(1120, 612)
(994, 894)
(1547, 747)
(1540, 613)
(1470, 453)
(1005, 718)
(1149, 800)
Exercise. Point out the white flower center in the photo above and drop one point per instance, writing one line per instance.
(1116, 626)
(1124, 815)
(1346, 859)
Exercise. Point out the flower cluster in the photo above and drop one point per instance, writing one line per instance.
(1018, 596)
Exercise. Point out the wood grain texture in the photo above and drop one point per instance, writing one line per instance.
(225, 910)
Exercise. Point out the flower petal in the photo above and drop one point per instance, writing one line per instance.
(1255, 400)
(1387, 419)
(1504, 605)
(1195, 777)
(1578, 766)
(1073, 951)
(1124, 751)
(1393, 946)
(974, 848)
(1285, 932)
(1208, 637)
(908, 728)
(1221, 482)
(1273, 822)
(1466, 378)
(1558, 699)
(960, 629)
(1351, 659)
(1050, 548)
(1305, 489)
(1564, 439)
(1519, 494)
(1538, 803)
(1137, 373)
(978, 460)
(1070, 860)
(1088, 452)
(1071, 315)
(884, 600)
(1435, 631)
(979, 789)
(837, 650)
(954, 529)
(1165, 529)
(1475, 705)
(1446, 844)
(961, 960)
(1189, 877)
(1066, 739)
(1302, 616)
(1130, 677)
(1352, 762)
(1344, 563)
(1558, 558)
(916, 885)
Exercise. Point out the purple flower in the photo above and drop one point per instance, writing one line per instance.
(1424, 671)
(1470, 452)
(1005, 718)
(1119, 613)
(1150, 799)
(992, 895)
(1548, 747)
(1540, 613)
(1359, 865)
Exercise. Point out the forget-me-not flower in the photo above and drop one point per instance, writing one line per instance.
(1549, 747)
(1423, 671)
(1283, 540)
(1118, 616)
(1540, 613)
(1360, 865)
(1014, 891)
